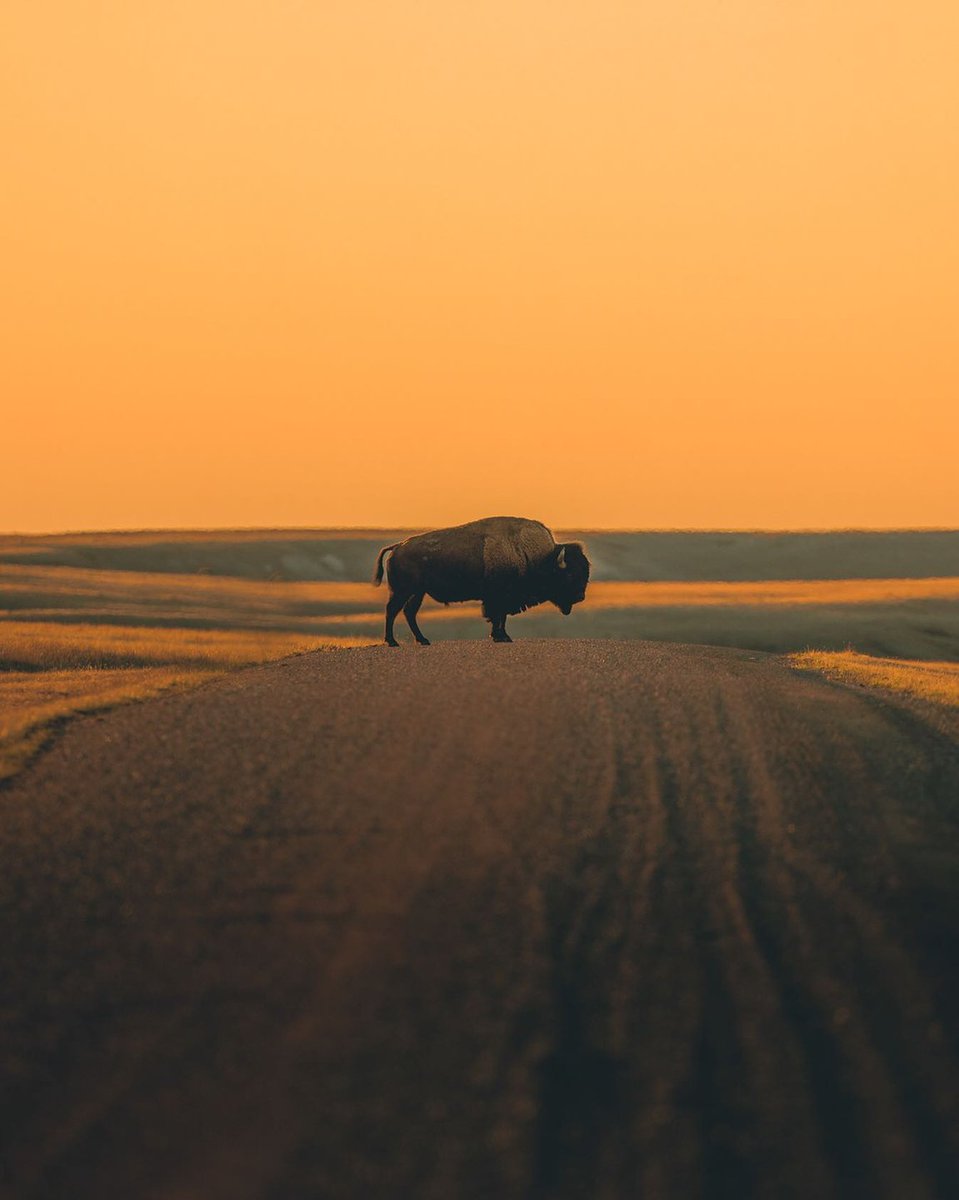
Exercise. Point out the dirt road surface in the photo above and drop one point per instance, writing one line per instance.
(556, 919)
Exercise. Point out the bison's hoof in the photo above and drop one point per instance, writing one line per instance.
(391, 642)
(422, 641)
(502, 637)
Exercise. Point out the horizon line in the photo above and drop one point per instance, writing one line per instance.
(412, 529)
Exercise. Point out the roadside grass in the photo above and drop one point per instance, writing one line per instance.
(50, 672)
(32, 703)
(935, 681)
(52, 646)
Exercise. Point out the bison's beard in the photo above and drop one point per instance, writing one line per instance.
(565, 609)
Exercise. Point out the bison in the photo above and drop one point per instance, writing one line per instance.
(510, 563)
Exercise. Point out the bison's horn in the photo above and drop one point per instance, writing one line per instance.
(561, 558)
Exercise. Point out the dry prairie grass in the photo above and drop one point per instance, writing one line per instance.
(935, 681)
(68, 594)
(49, 646)
(765, 593)
(31, 703)
(51, 670)
(72, 593)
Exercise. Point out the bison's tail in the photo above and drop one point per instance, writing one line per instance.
(378, 573)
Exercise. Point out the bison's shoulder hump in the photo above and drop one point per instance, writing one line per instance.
(514, 549)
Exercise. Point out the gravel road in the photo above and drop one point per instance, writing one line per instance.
(557, 919)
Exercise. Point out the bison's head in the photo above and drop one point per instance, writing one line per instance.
(569, 575)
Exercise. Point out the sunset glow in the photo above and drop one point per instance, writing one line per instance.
(405, 264)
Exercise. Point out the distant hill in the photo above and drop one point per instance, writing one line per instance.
(349, 555)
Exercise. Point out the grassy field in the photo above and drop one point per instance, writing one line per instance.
(87, 621)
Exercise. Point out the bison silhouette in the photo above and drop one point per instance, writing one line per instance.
(509, 563)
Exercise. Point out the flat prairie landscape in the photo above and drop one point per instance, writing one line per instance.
(659, 901)
(87, 620)
(90, 619)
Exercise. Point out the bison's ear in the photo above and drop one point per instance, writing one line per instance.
(561, 558)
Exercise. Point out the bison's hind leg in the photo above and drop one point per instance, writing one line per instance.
(410, 609)
(393, 606)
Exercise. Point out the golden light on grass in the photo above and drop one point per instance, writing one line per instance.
(799, 592)
(31, 703)
(67, 593)
(936, 681)
(75, 589)
(39, 645)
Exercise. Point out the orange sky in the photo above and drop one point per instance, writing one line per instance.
(621, 264)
